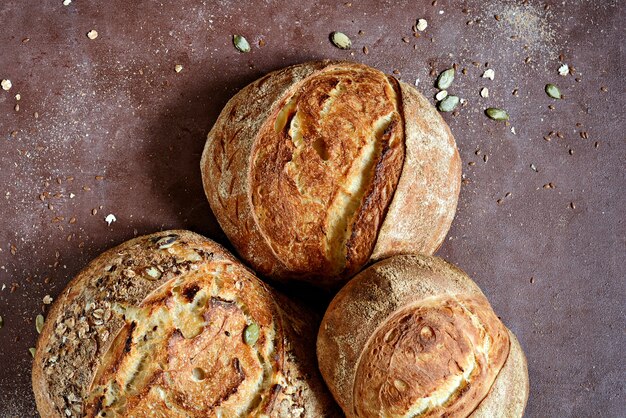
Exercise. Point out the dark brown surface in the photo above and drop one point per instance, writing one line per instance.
(551, 260)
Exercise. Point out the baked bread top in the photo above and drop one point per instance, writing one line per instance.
(414, 336)
(317, 168)
(170, 324)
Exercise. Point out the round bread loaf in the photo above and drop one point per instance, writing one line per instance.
(318, 168)
(413, 336)
(172, 325)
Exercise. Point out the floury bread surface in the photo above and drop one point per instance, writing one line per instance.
(413, 336)
(316, 169)
(172, 325)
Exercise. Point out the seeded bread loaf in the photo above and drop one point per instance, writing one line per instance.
(171, 324)
(413, 336)
(318, 168)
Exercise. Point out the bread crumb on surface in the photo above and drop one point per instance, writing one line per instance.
(66, 2)
(110, 218)
(178, 68)
(422, 24)
(564, 70)
(92, 34)
(489, 73)
(6, 85)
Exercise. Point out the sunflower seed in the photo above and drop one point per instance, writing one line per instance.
(448, 104)
(241, 43)
(340, 40)
(445, 79)
(497, 114)
(553, 91)
(441, 95)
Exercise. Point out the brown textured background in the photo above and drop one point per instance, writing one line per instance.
(114, 107)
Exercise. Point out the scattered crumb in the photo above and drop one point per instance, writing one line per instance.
(422, 24)
(18, 97)
(47, 300)
(6, 85)
(66, 2)
(513, 130)
(92, 34)
(417, 82)
(72, 195)
(110, 218)
(484, 92)
(564, 70)
(178, 68)
(489, 73)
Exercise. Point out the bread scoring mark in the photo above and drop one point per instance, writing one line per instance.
(192, 322)
(350, 195)
(437, 357)
(314, 163)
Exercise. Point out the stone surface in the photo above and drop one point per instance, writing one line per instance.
(550, 259)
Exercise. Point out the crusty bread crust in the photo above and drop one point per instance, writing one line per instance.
(416, 306)
(315, 169)
(119, 338)
(426, 196)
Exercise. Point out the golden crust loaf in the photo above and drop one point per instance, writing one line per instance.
(413, 336)
(315, 169)
(172, 325)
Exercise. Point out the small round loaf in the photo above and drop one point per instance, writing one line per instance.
(172, 325)
(413, 336)
(318, 168)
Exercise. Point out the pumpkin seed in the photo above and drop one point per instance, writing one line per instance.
(32, 351)
(445, 79)
(553, 91)
(1, 322)
(448, 103)
(340, 40)
(241, 43)
(251, 334)
(497, 114)
(39, 323)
